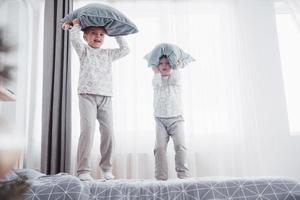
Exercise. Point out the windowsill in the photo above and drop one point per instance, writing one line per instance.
(6, 95)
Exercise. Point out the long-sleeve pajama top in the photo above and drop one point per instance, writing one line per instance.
(167, 95)
(95, 76)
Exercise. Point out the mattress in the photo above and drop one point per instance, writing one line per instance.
(64, 186)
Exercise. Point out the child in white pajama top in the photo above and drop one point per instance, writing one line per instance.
(95, 93)
(169, 120)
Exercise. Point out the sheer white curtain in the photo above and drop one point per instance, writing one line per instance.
(294, 9)
(30, 83)
(34, 81)
(23, 30)
(234, 107)
(288, 28)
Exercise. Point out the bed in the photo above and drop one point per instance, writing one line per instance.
(64, 186)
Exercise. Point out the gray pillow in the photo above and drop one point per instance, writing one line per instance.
(176, 56)
(96, 14)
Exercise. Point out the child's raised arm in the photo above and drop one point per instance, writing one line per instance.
(156, 81)
(174, 77)
(155, 70)
(122, 51)
(75, 37)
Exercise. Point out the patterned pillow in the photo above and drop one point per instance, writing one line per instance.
(96, 14)
(11, 175)
(176, 56)
(28, 173)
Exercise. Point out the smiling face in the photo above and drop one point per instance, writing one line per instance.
(164, 66)
(94, 36)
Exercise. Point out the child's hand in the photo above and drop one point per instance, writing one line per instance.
(76, 22)
(155, 69)
(67, 26)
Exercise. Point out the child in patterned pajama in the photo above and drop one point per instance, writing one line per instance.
(168, 118)
(95, 93)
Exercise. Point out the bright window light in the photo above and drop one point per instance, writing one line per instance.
(289, 43)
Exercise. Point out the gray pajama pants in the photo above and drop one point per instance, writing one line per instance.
(166, 128)
(94, 107)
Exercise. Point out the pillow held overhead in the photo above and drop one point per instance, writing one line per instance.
(96, 14)
(176, 56)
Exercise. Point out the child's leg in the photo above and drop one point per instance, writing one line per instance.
(105, 118)
(87, 108)
(160, 151)
(176, 130)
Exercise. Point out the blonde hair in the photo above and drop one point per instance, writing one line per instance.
(89, 28)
